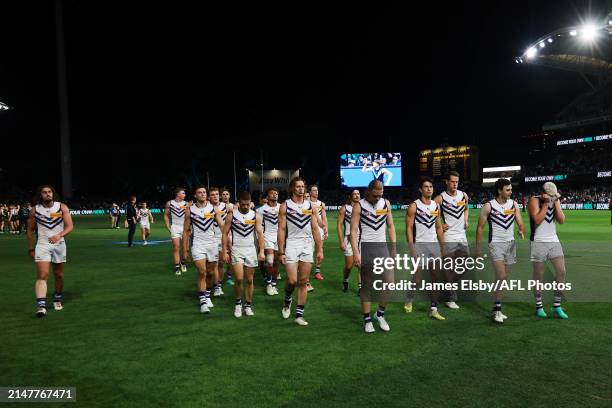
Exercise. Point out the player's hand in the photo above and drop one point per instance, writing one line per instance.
(32, 253)
(357, 259)
(55, 238)
(325, 235)
(283, 259)
(186, 256)
(342, 246)
(466, 225)
(319, 256)
(226, 257)
(262, 256)
(522, 234)
(445, 227)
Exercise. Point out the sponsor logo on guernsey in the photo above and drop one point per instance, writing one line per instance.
(382, 211)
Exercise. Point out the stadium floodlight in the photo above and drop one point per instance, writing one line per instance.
(588, 32)
(542, 44)
(531, 52)
(550, 40)
(573, 33)
(4, 107)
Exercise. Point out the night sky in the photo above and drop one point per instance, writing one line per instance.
(161, 93)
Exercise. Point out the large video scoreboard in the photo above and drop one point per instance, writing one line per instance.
(438, 162)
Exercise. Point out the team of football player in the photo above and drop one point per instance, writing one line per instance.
(214, 233)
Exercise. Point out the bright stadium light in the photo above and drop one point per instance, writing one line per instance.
(4, 107)
(550, 40)
(573, 33)
(531, 52)
(588, 32)
(542, 44)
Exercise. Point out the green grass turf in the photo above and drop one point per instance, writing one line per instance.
(131, 335)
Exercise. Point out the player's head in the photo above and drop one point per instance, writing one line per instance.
(314, 192)
(199, 193)
(297, 187)
(452, 181)
(263, 200)
(503, 189)
(225, 195)
(179, 193)
(551, 189)
(244, 201)
(143, 204)
(133, 199)
(426, 187)
(375, 191)
(45, 194)
(213, 195)
(272, 195)
(353, 197)
(376, 164)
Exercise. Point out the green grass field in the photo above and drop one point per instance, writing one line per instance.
(131, 334)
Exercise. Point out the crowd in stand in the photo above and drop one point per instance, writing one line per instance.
(402, 195)
(579, 160)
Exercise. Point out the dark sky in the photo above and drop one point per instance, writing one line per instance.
(160, 93)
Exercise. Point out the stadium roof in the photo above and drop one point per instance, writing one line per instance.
(585, 49)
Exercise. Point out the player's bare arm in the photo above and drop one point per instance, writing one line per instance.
(482, 220)
(355, 218)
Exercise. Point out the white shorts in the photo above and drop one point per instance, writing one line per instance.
(270, 244)
(456, 248)
(208, 253)
(176, 231)
(299, 252)
(543, 251)
(47, 252)
(347, 243)
(145, 224)
(245, 255)
(428, 249)
(503, 251)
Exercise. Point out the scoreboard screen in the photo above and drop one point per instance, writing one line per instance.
(436, 163)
